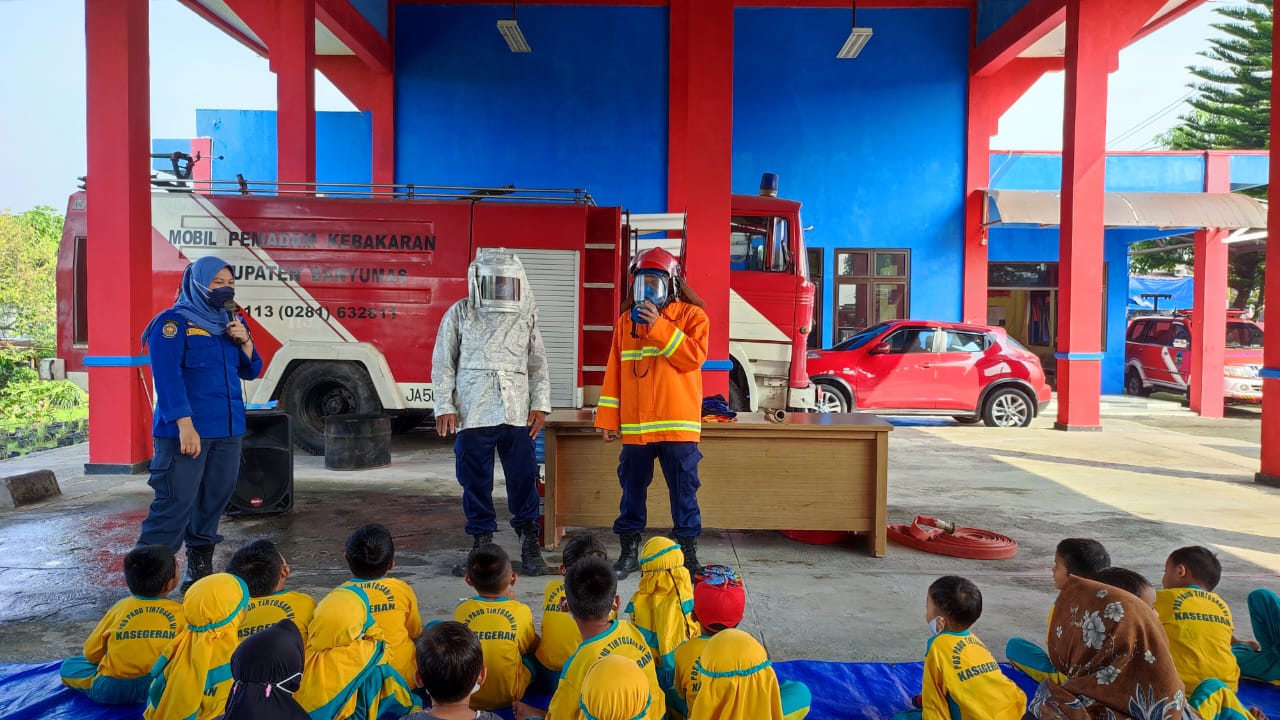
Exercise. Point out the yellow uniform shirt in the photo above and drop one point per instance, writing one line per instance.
(506, 631)
(686, 663)
(131, 636)
(268, 610)
(1199, 627)
(560, 636)
(395, 610)
(621, 638)
(963, 680)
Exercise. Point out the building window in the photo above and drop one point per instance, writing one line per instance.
(80, 293)
(871, 286)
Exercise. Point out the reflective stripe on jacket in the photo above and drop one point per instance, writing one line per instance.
(652, 388)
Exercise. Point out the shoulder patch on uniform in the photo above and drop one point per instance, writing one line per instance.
(169, 329)
(197, 331)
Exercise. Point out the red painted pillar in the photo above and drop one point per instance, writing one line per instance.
(1208, 322)
(701, 134)
(1209, 314)
(990, 97)
(293, 58)
(1096, 30)
(1269, 474)
(383, 110)
(119, 227)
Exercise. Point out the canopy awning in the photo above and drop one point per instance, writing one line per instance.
(1131, 209)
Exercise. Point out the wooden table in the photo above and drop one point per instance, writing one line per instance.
(810, 472)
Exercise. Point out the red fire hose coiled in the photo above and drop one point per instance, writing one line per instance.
(943, 538)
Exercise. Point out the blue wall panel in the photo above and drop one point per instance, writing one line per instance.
(1249, 171)
(246, 140)
(586, 109)
(873, 147)
(994, 13)
(375, 11)
(1125, 173)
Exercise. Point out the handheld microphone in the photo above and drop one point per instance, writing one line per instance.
(230, 307)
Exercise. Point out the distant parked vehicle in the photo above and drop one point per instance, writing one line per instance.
(922, 367)
(1157, 356)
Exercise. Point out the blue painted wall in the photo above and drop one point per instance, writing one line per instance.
(1125, 173)
(586, 109)
(246, 140)
(375, 11)
(873, 147)
(994, 13)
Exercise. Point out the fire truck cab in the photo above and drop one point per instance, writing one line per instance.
(344, 293)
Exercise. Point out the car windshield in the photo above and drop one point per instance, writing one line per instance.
(857, 340)
(1243, 335)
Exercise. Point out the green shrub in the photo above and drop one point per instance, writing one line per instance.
(35, 402)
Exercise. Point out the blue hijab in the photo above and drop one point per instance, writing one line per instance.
(193, 298)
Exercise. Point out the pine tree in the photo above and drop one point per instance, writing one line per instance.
(1231, 110)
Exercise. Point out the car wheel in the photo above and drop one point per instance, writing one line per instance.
(831, 398)
(317, 390)
(1008, 408)
(967, 419)
(1133, 384)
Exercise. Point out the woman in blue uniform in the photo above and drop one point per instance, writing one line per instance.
(200, 351)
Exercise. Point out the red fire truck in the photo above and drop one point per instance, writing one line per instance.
(344, 294)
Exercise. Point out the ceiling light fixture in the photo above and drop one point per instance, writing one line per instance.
(511, 33)
(858, 38)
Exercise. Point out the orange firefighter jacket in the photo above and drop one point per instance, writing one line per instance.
(652, 388)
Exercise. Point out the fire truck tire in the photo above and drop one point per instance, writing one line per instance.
(316, 390)
(739, 400)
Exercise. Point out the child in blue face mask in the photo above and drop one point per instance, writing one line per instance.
(961, 678)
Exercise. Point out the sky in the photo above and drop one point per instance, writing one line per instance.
(195, 65)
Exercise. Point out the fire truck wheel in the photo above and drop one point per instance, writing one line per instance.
(739, 400)
(316, 390)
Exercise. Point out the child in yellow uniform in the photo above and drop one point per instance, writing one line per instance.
(503, 624)
(718, 604)
(1200, 630)
(1081, 557)
(962, 680)
(615, 688)
(371, 554)
(264, 570)
(662, 608)
(591, 591)
(192, 678)
(736, 681)
(116, 666)
(560, 636)
(450, 670)
(347, 671)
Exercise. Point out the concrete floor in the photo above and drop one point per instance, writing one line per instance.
(1140, 486)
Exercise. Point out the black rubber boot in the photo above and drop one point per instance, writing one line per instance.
(629, 559)
(689, 546)
(199, 564)
(460, 570)
(531, 562)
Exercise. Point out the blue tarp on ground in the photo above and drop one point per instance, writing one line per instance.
(841, 691)
(1182, 289)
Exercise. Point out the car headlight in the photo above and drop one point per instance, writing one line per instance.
(1242, 371)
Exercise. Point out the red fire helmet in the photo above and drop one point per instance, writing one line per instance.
(655, 259)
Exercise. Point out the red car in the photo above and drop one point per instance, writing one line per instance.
(921, 367)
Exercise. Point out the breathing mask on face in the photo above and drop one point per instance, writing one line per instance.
(496, 281)
(651, 286)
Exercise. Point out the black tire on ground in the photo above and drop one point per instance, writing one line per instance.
(967, 419)
(1133, 384)
(739, 400)
(831, 397)
(316, 390)
(1009, 408)
(406, 421)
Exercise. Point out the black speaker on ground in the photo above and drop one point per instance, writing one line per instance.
(265, 484)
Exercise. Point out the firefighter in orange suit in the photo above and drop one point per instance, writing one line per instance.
(652, 399)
